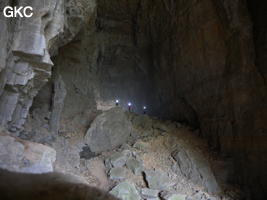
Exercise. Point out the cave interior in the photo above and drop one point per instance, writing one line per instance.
(195, 74)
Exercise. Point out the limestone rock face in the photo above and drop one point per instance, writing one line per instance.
(22, 156)
(109, 130)
(26, 47)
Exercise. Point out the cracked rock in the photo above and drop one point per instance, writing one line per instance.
(126, 191)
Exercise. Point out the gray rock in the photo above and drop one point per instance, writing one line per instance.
(174, 197)
(153, 198)
(195, 167)
(118, 173)
(22, 156)
(126, 191)
(109, 130)
(158, 180)
(58, 103)
(119, 159)
(213, 198)
(134, 165)
(149, 193)
(197, 196)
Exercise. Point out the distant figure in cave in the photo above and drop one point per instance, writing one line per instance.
(117, 102)
(144, 110)
(50, 186)
(130, 107)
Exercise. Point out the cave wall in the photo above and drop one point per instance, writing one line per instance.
(199, 61)
(208, 61)
(105, 61)
(122, 64)
(26, 47)
(258, 11)
(192, 61)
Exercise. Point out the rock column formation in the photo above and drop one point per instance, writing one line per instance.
(26, 47)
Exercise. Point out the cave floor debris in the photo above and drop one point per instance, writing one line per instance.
(163, 160)
(160, 160)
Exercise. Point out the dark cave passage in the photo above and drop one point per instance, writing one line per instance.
(258, 14)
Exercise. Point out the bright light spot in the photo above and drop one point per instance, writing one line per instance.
(144, 107)
(117, 101)
(129, 104)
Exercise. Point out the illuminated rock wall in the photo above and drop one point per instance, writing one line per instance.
(26, 47)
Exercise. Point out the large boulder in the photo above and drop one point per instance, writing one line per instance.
(23, 156)
(109, 130)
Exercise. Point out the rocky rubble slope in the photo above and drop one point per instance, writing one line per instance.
(148, 159)
(160, 160)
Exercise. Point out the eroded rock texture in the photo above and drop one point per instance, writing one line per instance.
(26, 47)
